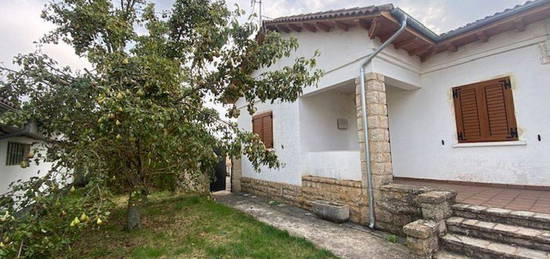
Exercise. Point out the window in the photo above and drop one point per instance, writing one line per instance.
(485, 112)
(262, 124)
(17, 152)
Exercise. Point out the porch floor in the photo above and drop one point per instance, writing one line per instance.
(490, 196)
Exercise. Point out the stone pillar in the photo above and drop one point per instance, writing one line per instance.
(236, 174)
(378, 131)
(423, 234)
(437, 207)
(422, 238)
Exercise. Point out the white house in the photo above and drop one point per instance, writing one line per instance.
(469, 105)
(15, 146)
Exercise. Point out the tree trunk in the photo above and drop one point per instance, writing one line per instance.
(133, 217)
(133, 212)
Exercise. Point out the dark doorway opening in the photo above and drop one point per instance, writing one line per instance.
(219, 181)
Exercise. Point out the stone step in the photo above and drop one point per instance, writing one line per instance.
(444, 254)
(505, 216)
(515, 235)
(480, 248)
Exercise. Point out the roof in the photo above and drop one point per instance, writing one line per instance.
(494, 17)
(381, 21)
(29, 130)
(348, 12)
(5, 104)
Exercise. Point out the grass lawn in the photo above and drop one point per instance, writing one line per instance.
(191, 227)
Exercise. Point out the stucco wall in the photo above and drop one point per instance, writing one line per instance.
(422, 116)
(286, 142)
(10, 174)
(319, 114)
(421, 119)
(343, 165)
(307, 139)
(341, 53)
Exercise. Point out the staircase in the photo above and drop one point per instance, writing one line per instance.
(482, 232)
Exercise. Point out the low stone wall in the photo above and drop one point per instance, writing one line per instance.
(283, 192)
(397, 206)
(313, 188)
(346, 192)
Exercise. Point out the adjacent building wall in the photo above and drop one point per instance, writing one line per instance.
(9, 174)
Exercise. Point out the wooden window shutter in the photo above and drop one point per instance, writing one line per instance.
(485, 112)
(467, 114)
(267, 126)
(500, 111)
(262, 124)
(257, 126)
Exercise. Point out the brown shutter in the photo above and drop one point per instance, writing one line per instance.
(267, 126)
(257, 126)
(262, 124)
(467, 114)
(498, 101)
(485, 111)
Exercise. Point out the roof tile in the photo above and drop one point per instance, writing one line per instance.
(4, 101)
(493, 17)
(347, 12)
(360, 11)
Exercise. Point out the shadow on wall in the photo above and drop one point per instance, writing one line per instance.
(328, 120)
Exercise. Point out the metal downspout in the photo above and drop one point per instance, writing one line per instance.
(364, 112)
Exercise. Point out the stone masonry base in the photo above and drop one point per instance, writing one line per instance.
(347, 192)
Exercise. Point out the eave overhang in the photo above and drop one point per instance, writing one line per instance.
(417, 40)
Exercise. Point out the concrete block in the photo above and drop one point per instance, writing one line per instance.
(331, 211)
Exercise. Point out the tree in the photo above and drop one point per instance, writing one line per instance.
(138, 120)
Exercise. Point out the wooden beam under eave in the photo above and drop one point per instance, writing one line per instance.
(482, 36)
(310, 27)
(506, 24)
(342, 25)
(405, 43)
(427, 53)
(281, 27)
(365, 24)
(374, 27)
(389, 17)
(324, 26)
(520, 24)
(419, 50)
(451, 47)
(295, 27)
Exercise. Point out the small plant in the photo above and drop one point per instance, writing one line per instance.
(392, 238)
(274, 203)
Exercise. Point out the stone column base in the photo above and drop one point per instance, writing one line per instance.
(236, 175)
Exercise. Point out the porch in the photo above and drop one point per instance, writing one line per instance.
(498, 196)
(328, 130)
